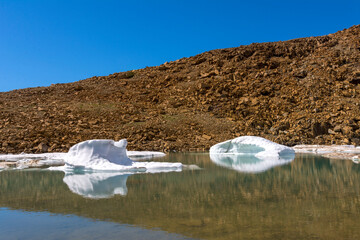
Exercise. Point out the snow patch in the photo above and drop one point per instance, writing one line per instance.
(345, 152)
(322, 149)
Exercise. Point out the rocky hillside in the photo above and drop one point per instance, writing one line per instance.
(302, 91)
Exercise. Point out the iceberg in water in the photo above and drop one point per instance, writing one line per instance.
(100, 168)
(98, 152)
(58, 157)
(250, 154)
(111, 155)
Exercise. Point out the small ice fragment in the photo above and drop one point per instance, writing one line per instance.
(143, 155)
(25, 156)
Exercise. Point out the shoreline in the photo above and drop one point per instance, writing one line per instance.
(45, 160)
(340, 152)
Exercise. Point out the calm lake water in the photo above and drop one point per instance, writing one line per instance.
(308, 198)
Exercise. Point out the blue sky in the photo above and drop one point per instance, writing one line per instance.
(58, 41)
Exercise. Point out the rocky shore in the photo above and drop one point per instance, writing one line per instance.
(302, 91)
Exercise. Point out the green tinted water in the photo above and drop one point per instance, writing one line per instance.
(309, 198)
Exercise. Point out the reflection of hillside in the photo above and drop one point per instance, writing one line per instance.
(306, 199)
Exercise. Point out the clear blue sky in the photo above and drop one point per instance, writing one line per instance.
(58, 41)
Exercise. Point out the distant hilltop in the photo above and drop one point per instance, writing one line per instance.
(302, 91)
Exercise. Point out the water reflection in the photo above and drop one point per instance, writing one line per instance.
(250, 163)
(35, 226)
(309, 198)
(97, 184)
(103, 184)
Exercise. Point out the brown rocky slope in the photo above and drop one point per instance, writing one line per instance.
(302, 91)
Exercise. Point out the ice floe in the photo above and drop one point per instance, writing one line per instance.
(143, 155)
(39, 163)
(133, 155)
(344, 152)
(25, 156)
(258, 146)
(94, 168)
(99, 154)
(102, 155)
(110, 155)
(321, 149)
(250, 154)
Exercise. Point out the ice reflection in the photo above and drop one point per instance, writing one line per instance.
(97, 184)
(249, 163)
(103, 184)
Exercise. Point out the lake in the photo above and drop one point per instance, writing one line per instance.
(309, 198)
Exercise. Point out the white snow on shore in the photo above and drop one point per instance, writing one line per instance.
(344, 152)
(322, 149)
